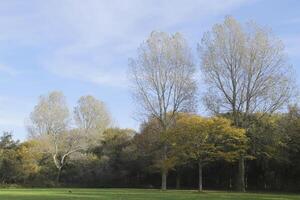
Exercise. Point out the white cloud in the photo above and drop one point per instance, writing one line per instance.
(91, 40)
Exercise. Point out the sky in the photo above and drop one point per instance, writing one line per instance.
(82, 47)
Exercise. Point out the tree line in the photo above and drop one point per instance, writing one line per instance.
(249, 140)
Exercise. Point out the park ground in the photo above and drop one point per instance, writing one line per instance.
(135, 194)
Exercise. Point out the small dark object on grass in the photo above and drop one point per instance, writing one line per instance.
(70, 191)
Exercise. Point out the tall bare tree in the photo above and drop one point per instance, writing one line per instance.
(91, 117)
(163, 80)
(49, 126)
(246, 72)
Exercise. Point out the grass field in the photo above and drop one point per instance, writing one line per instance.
(133, 194)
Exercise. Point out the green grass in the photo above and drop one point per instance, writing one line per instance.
(133, 194)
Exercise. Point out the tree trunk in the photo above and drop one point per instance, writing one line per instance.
(164, 180)
(200, 176)
(241, 175)
(58, 175)
(177, 181)
(164, 171)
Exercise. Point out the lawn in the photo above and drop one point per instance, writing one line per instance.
(133, 194)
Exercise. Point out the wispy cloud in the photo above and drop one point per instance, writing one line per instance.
(92, 40)
(4, 69)
(85, 71)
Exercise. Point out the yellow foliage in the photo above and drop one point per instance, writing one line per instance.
(207, 139)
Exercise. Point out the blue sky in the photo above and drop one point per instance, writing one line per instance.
(82, 47)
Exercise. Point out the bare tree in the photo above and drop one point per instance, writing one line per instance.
(50, 115)
(49, 126)
(163, 80)
(91, 117)
(246, 72)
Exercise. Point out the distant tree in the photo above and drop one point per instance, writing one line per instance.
(115, 140)
(146, 149)
(112, 149)
(49, 126)
(17, 162)
(50, 116)
(29, 159)
(207, 139)
(266, 141)
(162, 77)
(9, 165)
(290, 124)
(154, 144)
(7, 141)
(91, 117)
(246, 72)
